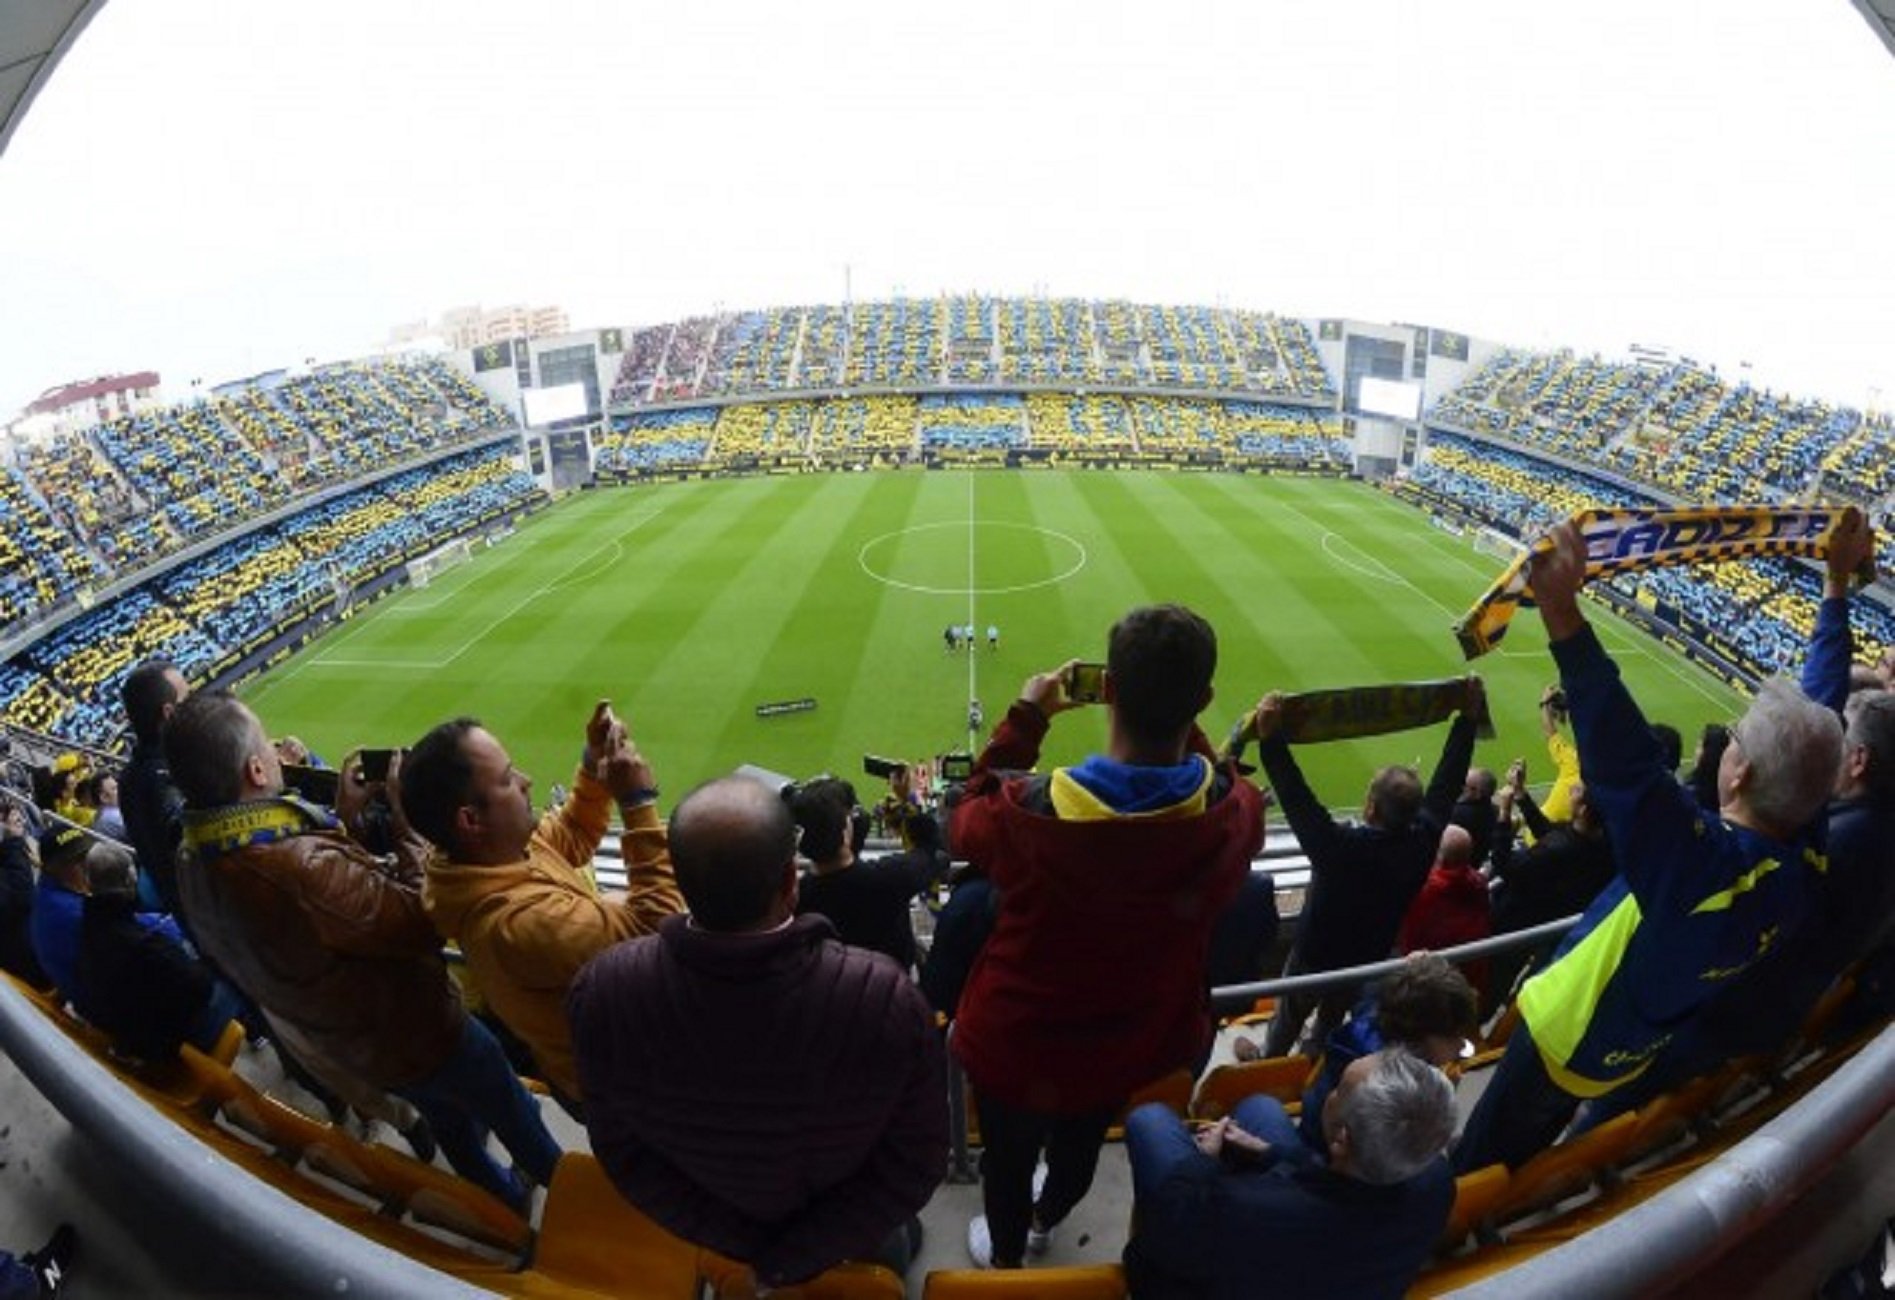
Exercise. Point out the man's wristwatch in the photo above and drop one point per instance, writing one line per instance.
(638, 798)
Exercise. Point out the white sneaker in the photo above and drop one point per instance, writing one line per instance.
(980, 1242)
(1038, 1241)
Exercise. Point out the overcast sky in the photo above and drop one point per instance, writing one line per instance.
(215, 187)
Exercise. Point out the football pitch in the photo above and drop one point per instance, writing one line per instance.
(691, 604)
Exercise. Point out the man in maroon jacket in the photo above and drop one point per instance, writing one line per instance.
(1111, 876)
(751, 1083)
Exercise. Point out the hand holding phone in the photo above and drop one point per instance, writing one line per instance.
(374, 764)
(1084, 683)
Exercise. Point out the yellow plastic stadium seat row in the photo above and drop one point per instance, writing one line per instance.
(1093, 1282)
(594, 1240)
(1282, 1077)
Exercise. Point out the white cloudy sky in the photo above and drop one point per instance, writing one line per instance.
(212, 187)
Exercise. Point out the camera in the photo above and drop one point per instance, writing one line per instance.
(956, 767)
(884, 768)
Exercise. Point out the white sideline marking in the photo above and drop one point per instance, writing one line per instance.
(566, 577)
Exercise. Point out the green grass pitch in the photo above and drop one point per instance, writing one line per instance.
(689, 604)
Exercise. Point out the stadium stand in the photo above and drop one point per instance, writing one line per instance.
(655, 441)
(854, 429)
(969, 340)
(962, 424)
(41, 564)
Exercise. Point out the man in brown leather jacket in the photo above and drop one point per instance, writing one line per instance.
(333, 941)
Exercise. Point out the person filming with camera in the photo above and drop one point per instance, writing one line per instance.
(867, 900)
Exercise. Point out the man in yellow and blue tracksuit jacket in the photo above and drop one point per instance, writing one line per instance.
(1698, 898)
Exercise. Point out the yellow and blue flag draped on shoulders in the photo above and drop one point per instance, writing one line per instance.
(1620, 541)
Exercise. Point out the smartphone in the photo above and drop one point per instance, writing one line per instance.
(884, 768)
(957, 767)
(1085, 683)
(319, 785)
(375, 764)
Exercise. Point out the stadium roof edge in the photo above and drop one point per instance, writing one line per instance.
(33, 39)
(1880, 15)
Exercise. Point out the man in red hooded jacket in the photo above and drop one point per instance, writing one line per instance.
(1111, 876)
(1452, 907)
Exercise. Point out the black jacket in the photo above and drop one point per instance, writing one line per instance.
(138, 984)
(16, 913)
(154, 819)
(1362, 878)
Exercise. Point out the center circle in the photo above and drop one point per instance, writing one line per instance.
(1078, 558)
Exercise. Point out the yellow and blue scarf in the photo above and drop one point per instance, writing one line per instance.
(1620, 541)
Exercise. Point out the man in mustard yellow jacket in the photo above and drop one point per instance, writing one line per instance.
(516, 892)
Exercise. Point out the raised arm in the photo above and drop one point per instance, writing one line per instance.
(1315, 828)
(1450, 773)
(1831, 643)
(1642, 805)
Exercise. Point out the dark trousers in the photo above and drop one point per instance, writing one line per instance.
(1331, 1009)
(1011, 1143)
(474, 1092)
(1520, 1115)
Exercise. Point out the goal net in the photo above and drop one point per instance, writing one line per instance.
(424, 569)
(1491, 542)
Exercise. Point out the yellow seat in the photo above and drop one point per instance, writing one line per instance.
(1824, 1013)
(1495, 1042)
(430, 1195)
(1664, 1120)
(591, 1237)
(1090, 1282)
(1567, 1169)
(1173, 1090)
(1282, 1077)
(1476, 1196)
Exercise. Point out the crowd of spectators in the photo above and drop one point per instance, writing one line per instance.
(1758, 612)
(41, 564)
(974, 340)
(653, 441)
(971, 423)
(636, 1015)
(856, 429)
(1678, 427)
(206, 613)
(108, 500)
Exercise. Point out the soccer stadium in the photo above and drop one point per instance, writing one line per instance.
(580, 805)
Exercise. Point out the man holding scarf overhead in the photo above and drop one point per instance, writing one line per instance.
(1361, 877)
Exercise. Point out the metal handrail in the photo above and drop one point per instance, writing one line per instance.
(299, 1251)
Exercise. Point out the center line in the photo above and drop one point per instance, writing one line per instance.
(973, 643)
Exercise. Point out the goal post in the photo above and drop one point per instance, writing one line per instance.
(1491, 541)
(424, 569)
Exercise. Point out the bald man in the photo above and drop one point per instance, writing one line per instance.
(698, 1047)
(1451, 907)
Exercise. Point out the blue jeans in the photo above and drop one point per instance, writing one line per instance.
(475, 1090)
(225, 1005)
(1171, 1251)
(17, 1281)
(1157, 1141)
